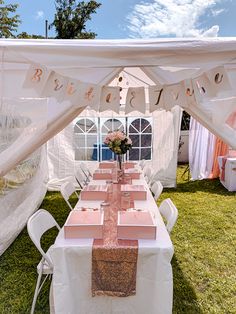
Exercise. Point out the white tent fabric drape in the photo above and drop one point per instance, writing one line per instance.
(21, 200)
(165, 137)
(201, 151)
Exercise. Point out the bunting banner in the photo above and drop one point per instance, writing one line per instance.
(219, 79)
(174, 95)
(135, 100)
(55, 86)
(110, 99)
(156, 97)
(36, 78)
(187, 86)
(187, 93)
(203, 88)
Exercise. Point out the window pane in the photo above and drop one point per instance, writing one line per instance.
(90, 155)
(134, 154)
(146, 153)
(81, 125)
(145, 124)
(95, 153)
(135, 140)
(80, 154)
(106, 154)
(91, 140)
(132, 129)
(146, 140)
(136, 124)
(93, 129)
(79, 140)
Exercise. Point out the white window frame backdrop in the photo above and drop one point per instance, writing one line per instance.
(102, 124)
(86, 135)
(140, 133)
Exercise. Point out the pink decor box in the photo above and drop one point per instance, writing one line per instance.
(135, 225)
(102, 174)
(129, 164)
(134, 174)
(94, 192)
(137, 192)
(107, 165)
(84, 224)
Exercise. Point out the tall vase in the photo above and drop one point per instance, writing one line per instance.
(119, 158)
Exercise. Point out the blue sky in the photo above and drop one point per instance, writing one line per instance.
(141, 19)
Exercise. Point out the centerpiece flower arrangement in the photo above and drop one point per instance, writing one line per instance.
(119, 143)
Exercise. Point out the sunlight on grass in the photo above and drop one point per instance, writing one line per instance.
(204, 263)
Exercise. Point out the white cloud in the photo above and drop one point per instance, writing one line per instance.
(178, 18)
(39, 15)
(217, 12)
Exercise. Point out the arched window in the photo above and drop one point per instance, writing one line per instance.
(109, 125)
(85, 139)
(140, 132)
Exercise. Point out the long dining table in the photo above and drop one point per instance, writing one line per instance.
(72, 260)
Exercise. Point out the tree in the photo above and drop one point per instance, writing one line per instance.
(71, 17)
(28, 36)
(8, 22)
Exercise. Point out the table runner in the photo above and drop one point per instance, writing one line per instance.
(114, 262)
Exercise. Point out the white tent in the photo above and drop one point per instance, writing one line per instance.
(197, 74)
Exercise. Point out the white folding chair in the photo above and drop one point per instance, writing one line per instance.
(37, 225)
(86, 172)
(147, 172)
(169, 212)
(80, 178)
(67, 189)
(142, 163)
(157, 189)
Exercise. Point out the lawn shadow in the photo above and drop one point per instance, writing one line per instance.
(185, 299)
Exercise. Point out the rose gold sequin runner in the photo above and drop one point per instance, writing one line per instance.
(114, 262)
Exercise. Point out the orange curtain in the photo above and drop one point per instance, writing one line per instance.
(221, 149)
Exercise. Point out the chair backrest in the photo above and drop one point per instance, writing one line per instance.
(157, 189)
(147, 171)
(169, 212)
(142, 163)
(80, 178)
(67, 189)
(85, 169)
(37, 225)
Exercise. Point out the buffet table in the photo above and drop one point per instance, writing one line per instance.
(72, 259)
(228, 172)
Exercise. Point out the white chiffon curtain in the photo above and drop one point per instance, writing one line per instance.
(201, 151)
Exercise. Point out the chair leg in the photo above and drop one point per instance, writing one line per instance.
(36, 292)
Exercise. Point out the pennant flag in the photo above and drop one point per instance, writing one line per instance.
(156, 97)
(72, 92)
(55, 86)
(203, 87)
(174, 95)
(219, 79)
(36, 78)
(135, 100)
(110, 99)
(89, 95)
(189, 93)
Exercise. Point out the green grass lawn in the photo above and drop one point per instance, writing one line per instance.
(204, 264)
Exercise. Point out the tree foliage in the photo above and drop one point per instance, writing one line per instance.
(71, 17)
(9, 21)
(25, 35)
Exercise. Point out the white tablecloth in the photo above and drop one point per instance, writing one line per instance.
(230, 173)
(72, 259)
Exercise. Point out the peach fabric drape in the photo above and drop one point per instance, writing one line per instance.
(221, 149)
